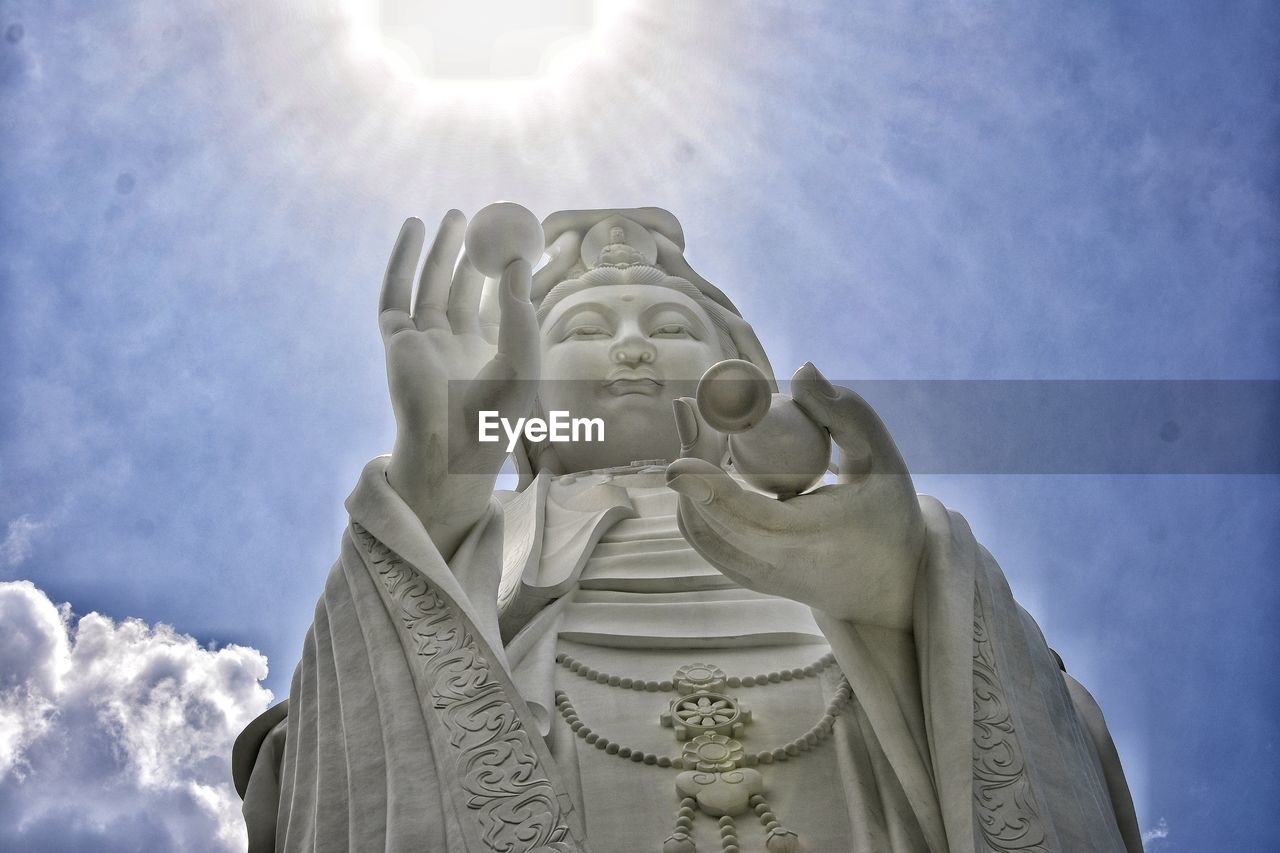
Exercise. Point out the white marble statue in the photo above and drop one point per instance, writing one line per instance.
(642, 648)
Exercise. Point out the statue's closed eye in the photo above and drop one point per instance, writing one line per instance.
(587, 332)
(669, 330)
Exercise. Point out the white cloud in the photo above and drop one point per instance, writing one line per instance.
(117, 735)
(16, 547)
(1159, 831)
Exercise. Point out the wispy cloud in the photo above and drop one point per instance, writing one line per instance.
(117, 735)
(16, 547)
(1157, 832)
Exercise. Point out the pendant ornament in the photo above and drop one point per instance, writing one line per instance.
(718, 776)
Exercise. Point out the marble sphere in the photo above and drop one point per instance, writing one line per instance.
(503, 232)
(733, 395)
(786, 453)
(775, 446)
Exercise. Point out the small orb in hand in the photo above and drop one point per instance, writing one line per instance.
(733, 395)
(501, 233)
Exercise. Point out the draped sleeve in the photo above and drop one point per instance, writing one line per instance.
(403, 729)
(1009, 752)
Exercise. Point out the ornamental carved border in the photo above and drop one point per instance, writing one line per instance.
(1005, 806)
(496, 766)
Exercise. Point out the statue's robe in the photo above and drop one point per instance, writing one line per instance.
(405, 728)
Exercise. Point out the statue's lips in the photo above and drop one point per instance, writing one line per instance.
(633, 385)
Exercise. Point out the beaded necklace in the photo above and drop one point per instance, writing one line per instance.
(718, 776)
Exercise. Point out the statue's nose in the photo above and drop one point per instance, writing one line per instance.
(633, 349)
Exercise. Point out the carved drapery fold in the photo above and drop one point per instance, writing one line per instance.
(512, 800)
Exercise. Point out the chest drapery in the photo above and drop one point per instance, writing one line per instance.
(404, 679)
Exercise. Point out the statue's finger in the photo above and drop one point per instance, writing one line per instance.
(562, 255)
(489, 311)
(437, 273)
(697, 439)
(464, 298)
(490, 391)
(864, 441)
(517, 325)
(397, 283)
(723, 501)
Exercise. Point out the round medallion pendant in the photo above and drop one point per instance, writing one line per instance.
(706, 713)
(712, 753)
(697, 677)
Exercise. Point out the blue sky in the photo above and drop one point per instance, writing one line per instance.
(198, 200)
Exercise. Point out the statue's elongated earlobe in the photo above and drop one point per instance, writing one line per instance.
(749, 347)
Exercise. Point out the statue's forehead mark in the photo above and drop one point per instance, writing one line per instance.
(628, 297)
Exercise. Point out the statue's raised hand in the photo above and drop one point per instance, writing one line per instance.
(433, 338)
(851, 549)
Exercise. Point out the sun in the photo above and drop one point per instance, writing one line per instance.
(478, 47)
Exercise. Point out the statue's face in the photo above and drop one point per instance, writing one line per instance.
(623, 353)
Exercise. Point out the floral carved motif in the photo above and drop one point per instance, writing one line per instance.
(701, 713)
(1005, 806)
(513, 800)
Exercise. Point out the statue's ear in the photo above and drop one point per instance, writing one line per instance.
(671, 259)
(749, 348)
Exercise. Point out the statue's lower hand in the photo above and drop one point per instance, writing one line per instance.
(851, 549)
(439, 466)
